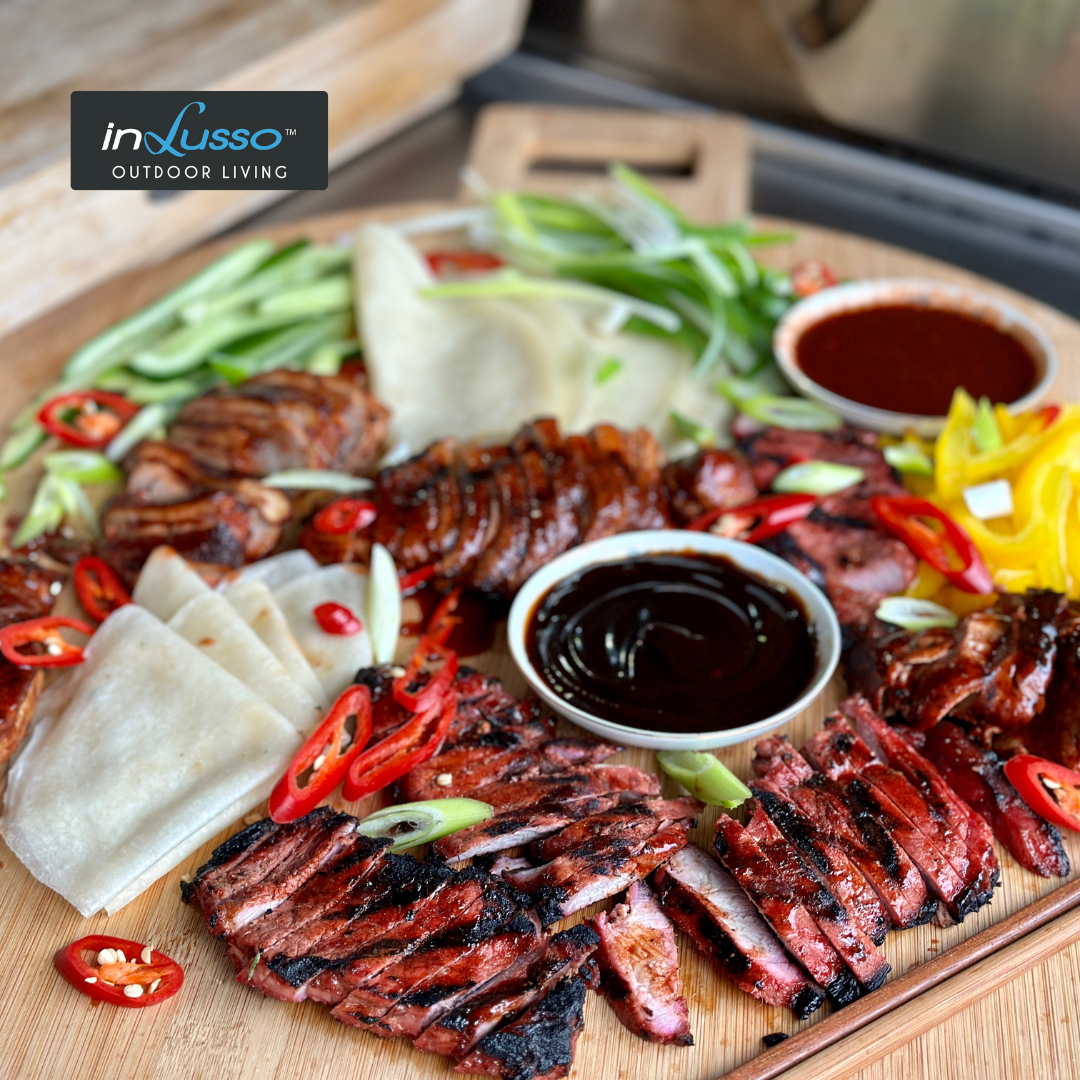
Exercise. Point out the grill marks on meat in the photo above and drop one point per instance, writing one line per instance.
(27, 591)
(640, 969)
(705, 902)
(976, 774)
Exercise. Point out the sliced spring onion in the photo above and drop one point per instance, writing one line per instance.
(994, 499)
(82, 466)
(909, 458)
(986, 433)
(76, 504)
(317, 480)
(704, 776)
(119, 341)
(412, 824)
(383, 605)
(19, 446)
(691, 429)
(45, 514)
(287, 347)
(323, 297)
(912, 614)
(608, 370)
(816, 478)
(793, 413)
(145, 424)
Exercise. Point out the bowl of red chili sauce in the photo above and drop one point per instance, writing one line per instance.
(888, 354)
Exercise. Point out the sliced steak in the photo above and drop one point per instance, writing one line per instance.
(706, 902)
(639, 968)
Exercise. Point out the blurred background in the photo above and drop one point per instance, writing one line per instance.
(946, 126)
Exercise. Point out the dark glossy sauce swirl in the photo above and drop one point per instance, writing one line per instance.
(676, 642)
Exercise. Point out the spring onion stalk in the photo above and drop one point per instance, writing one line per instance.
(145, 424)
(45, 514)
(793, 413)
(704, 776)
(817, 478)
(994, 499)
(412, 824)
(119, 342)
(327, 359)
(447, 221)
(986, 433)
(317, 480)
(383, 605)
(288, 347)
(323, 297)
(915, 615)
(608, 370)
(909, 458)
(19, 446)
(76, 505)
(691, 429)
(83, 466)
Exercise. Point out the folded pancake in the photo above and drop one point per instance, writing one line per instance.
(335, 658)
(219, 632)
(275, 571)
(156, 743)
(167, 582)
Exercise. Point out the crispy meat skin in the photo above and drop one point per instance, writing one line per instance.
(26, 592)
(705, 901)
(640, 968)
(283, 420)
(978, 777)
(710, 480)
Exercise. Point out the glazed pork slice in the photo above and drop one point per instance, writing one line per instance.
(704, 901)
(540, 1043)
(983, 871)
(456, 1033)
(462, 770)
(856, 948)
(838, 752)
(581, 783)
(639, 968)
(597, 869)
(516, 827)
(405, 998)
(779, 902)
(977, 775)
(835, 821)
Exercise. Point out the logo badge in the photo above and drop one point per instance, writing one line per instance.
(206, 140)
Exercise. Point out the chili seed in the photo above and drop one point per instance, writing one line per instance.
(133, 990)
(444, 779)
(1053, 785)
(154, 985)
(106, 956)
(146, 956)
(90, 979)
(120, 956)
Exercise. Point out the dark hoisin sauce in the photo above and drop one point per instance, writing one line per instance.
(910, 359)
(677, 642)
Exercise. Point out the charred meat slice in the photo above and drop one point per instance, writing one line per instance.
(456, 1033)
(283, 420)
(706, 902)
(640, 968)
(779, 902)
(978, 777)
(538, 1044)
(710, 480)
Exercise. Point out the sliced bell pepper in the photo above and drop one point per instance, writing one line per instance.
(771, 515)
(1050, 789)
(951, 552)
(99, 589)
(89, 418)
(344, 516)
(409, 746)
(443, 620)
(326, 757)
(131, 982)
(421, 696)
(56, 652)
(462, 261)
(337, 619)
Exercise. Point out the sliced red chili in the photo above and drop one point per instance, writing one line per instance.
(443, 620)
(325, 756)
(409, 746)
(1049, 414)
(1050, 789)
(159, 979)
(417, 696)
(52, 650)
(98, 588)
(765, 517)
(337, 619)
(951, 551)
(463, 261)
(344, 516)
(412, 581)
(811, 277)
(89, 418)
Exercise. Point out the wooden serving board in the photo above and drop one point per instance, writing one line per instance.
(217, 1028)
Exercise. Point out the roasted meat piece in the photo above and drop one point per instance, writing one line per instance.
(705, 901)
(282, 420)
(639, 968)
(710, 480)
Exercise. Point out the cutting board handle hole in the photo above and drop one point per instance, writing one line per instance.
(586, 167)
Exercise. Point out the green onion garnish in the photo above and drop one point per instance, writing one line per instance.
(704, 776)
(986, 433)
(412, 824)
(317, 480)
(909, 458)
(816, 478)
(383, 605)
(912, 614)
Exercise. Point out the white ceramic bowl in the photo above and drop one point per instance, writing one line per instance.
(747, 557)
(857, 295)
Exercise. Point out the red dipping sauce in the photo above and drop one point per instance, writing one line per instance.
(910, 359)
